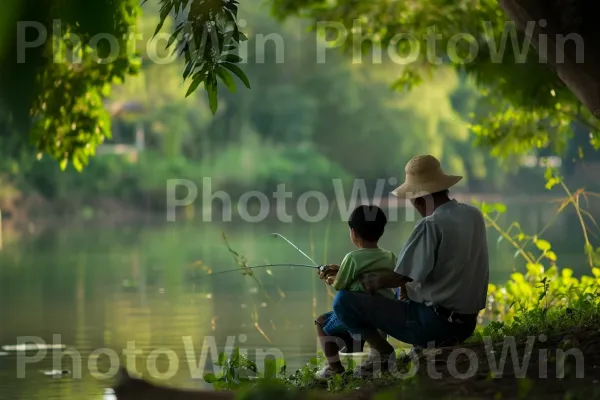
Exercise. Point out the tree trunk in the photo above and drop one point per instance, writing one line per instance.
(572, 41)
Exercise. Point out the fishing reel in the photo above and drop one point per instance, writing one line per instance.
(323, 268)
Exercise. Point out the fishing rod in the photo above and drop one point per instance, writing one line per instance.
(269, 265)
(321, 268)
(278, 235)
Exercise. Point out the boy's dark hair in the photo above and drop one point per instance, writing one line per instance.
(368, 222)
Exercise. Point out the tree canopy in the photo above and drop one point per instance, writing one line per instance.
(55, 89)
(302, 124)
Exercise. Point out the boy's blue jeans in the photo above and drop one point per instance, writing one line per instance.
(407, 321)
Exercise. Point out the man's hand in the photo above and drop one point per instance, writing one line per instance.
(372, 282)
(329, 275)
(386, 280)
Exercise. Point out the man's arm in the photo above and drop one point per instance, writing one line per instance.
(387, 280)
(415, 262)
(419, 254)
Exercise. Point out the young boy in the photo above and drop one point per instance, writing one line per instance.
(367, 224)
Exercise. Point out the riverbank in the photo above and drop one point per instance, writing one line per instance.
(559, 366)
(563, 364)
(544, 353)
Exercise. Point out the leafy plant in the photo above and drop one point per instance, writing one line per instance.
(208, 40)
(529, 296)
(236, 371)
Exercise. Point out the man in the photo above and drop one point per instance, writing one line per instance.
(444, 265)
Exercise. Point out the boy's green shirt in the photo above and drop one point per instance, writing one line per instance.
(362, 261)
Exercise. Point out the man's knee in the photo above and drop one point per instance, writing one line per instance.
(342, 301)
(339, 301)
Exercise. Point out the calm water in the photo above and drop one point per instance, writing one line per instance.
(102, 288)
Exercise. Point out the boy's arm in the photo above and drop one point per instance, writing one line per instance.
(346, 275)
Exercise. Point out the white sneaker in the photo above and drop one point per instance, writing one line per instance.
(326, 373)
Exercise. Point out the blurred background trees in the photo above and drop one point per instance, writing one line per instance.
(302, 123)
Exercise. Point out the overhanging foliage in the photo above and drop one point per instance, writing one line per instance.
(528, 106)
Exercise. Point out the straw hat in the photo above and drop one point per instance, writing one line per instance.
(424, 176)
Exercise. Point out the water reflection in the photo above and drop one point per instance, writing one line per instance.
(104, 290)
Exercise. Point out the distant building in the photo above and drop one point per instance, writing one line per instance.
(128, 138)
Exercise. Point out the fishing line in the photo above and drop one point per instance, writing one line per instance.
(291, 244)
(265, 266)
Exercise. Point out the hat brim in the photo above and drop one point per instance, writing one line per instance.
(413, 191)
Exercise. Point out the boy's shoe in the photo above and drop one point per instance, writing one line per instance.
(376, 364)
(327, 373)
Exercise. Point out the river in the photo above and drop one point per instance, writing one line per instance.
(101, 288)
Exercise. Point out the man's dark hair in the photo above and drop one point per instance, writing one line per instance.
(368, 222)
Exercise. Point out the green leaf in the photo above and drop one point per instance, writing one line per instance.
(534, 269)
(543, 245)
(226, 78)
(63, 164)
(231, 58)
(77, 164)
(499, 207)
(210, 378)
(221, 360)
(252, 366)
(211, 88)
(198, 79)
(551, 183)
(188, 69)
(270, 368)
(173, 37)
(164, 14)
(487, 208)
(542, 295)
(283, 366)
(237, 71)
